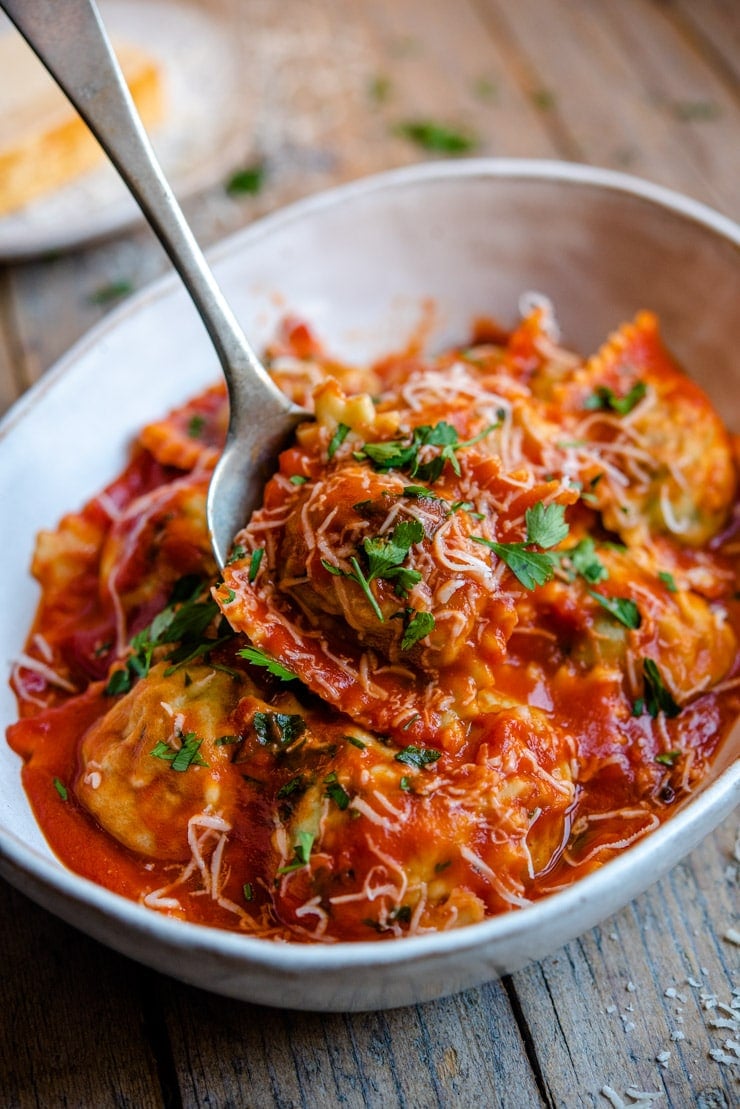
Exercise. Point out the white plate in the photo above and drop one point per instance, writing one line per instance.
(203, 135)
(359, 263)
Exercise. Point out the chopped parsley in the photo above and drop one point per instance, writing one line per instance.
(668, 581)
(384, 556)
(669, 758)
(403, 454)
(247, 181)
(337, 439)
(261, 658)
(61, 789)
(254, 562)
(301, 855)
(278, 729)
(196, 426)
(437, 137)
(419, 625)
(621, 608)
(183, 621)
(247, 891)
(418, 757)
(296, 785)
(336, 791)
(187, 755)
(115, 290)
(297, 479)
(546, 527)
(658, 697)
(356, 742)
(605, 398)
(585, 562)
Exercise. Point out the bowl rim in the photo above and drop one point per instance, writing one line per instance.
(22, 864)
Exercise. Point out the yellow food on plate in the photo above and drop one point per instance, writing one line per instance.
(43, 142)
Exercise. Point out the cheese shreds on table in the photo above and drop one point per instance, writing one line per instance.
(479, 639)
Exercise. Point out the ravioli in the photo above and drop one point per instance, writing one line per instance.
(481, 637)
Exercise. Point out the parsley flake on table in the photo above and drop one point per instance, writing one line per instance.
(247, 181)
(437, 137)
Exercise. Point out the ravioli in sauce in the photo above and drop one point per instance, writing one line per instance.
(480, 638)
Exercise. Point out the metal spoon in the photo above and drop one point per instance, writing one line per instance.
(71, 41)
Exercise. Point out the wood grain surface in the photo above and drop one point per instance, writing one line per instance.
(643, 1003)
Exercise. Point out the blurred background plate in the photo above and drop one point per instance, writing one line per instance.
(202, 135)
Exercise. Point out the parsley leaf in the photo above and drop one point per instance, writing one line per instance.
(337, 439)
(420, 624)
(668, 581)
(584, 561)
(184, 620)
(254, 562)
(261, 658)
(418, 757)
(385, 554)
(399, 454)
(532, 569)
(301, 853)
(186, 756)
(669, 758)
(605, 398)
(621, 608)
(336, 791)
(246, 181)
(657, 697)
(278, 729)
(546, 526)
(437, 137)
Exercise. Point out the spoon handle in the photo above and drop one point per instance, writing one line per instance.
(71, 41)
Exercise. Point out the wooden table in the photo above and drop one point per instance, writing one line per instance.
(648, 86)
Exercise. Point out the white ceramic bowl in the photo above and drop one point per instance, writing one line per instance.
(359, 263)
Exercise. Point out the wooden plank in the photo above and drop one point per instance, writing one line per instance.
(631, 92)
(11, 381)
(73, 1016)
(715, 27)
(463, 1051)
(603, 1009)
(454, 71)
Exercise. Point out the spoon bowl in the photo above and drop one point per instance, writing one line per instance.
(72, 43)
